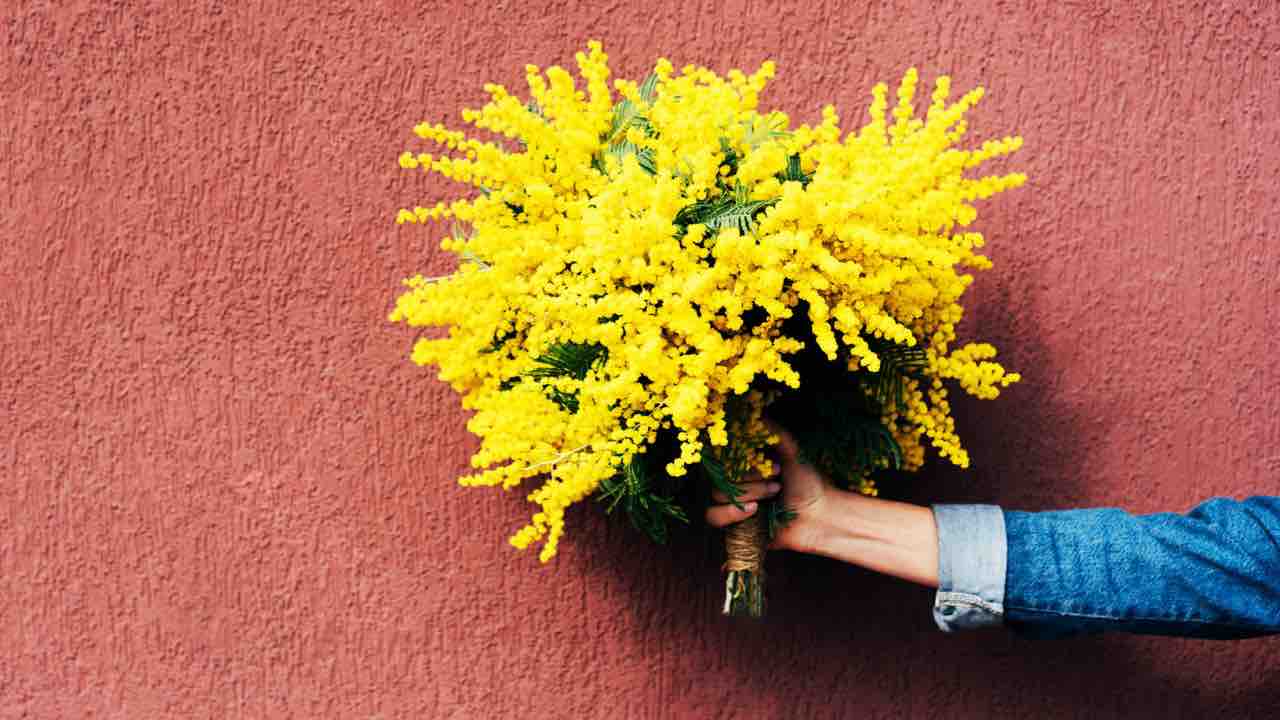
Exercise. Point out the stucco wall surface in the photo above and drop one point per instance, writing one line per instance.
(227, 492)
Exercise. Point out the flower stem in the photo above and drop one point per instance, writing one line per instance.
(744, 584)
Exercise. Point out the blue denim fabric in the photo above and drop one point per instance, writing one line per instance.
(971, 567)
(1213, 572)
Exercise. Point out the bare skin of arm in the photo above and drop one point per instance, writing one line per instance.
(894, 538)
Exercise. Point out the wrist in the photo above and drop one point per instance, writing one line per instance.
(891, 537)
(840, 519)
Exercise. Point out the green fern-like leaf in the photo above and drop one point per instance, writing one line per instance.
(649, 88)
(896, 362)
(719, 476)
(648, 510)
(626, 115)
(725, 466)
(769, 129)
(722, 212)
(567, 359)
(870, 445)
(644, 157)
(462, 236)
(836, 415)
(793, 172)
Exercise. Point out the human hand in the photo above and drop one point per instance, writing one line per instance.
(804, 491)
(886, 536)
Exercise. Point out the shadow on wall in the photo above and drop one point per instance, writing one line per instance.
(1031, 447)
(838, 635)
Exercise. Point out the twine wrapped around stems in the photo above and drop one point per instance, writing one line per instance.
(744, 544)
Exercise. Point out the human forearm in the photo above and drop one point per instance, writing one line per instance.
(890, 537)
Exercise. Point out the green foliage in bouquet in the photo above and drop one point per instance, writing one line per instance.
(643, 276)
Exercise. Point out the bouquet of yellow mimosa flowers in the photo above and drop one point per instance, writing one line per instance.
(646, 270)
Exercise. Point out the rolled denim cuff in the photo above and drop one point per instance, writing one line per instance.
(972, 554)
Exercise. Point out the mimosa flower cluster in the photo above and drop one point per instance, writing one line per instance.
(672, 233)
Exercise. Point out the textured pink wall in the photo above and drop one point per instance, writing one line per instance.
(227, 493)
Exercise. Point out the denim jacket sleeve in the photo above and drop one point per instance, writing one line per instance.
(1213, 572)
(971, 567)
